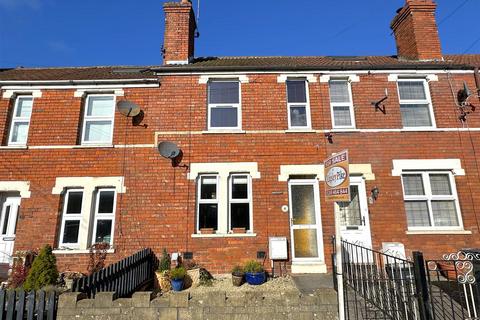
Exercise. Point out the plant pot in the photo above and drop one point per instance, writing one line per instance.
(237, 279)
(177, 284)
(207, 231)
(255, 278)
(238, 230)
(163, 281)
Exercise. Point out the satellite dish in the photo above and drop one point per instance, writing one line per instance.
(128, 108)
(168, 150)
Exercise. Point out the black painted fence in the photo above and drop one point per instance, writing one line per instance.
(19, 304)
(124, 277)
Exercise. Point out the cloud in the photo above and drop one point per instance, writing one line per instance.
(14, 4)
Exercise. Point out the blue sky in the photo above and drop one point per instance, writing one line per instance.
(130, 32)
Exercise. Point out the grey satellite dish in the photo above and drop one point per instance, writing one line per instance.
(128, 108)
(168, 150)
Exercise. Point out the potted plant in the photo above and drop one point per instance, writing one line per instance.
(162, 275)
(176, 277)
(237, 276)
(254, 272)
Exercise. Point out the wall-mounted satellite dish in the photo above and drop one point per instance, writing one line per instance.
(168, 150)
(128, 108)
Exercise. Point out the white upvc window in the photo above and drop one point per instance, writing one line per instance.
(207, 202)
(415, 103)
(298, 104)
(20, 120)
(106, 199)
(341, 103)
(431, 201)
(98, 119)
(240, 202)
(71, 218)
(224, 105)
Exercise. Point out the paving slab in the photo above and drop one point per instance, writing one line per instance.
(309, 283)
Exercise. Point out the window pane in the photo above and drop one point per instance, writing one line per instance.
(5, 220)
(298, 116)
(306, 243)
(411, 90)
(20, 132)
(413, 184)
(303, 204)
(223, 92)
(350, 211)
(207, 216)
(240, 187)
(339, 91)
(417, 214)
(240, 215)
(105, 203)
(224, 117)
(24, 107)
(444, 214)
(70, 232)
(208, 188)
(415, 115)
(100, 106)
(342, 117)
(296, 91)
(98, 131)
(104, 231)
(440, 184)
(74, 202)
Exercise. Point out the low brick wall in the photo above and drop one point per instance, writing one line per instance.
(208, 306)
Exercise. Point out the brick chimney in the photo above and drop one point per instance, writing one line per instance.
(180, 26)
(416, 32)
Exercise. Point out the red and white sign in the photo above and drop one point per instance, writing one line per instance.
(337, 179)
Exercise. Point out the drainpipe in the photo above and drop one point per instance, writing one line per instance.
(477, 81)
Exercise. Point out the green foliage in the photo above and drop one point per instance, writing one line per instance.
(237, 270)
(253, 266)
(178, 273)
(43, 272)
(206, 278)
(164, 264)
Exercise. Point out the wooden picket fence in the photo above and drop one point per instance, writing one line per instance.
(33, 305)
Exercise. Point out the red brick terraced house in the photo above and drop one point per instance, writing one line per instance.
(254, 132)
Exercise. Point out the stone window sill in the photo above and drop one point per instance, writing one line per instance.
(224, 235)
(427, 232)
(300, 131)
(226, 131)
(89, 146)
(13, 147)
(76, 251)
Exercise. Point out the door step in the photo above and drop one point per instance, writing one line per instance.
(309, 268)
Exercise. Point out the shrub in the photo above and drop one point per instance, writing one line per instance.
(253, 266)
(206, 278)
(18, 276)
(98, 254)
(44, 270)
(164, 264)
(237, 270)
(178, 273)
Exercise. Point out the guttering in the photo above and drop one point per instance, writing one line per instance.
(79, 82)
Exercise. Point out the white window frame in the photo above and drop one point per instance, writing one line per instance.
(429, 197)
(248, 200)
(71, 217)
(104, 216)
(207, 201)
(292, 104)
(87, 118)
(19, 119)
(238, 106)
(342, 104)
(428, 101)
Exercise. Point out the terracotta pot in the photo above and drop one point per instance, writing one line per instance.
(237, 279)
(238, 230)
(207, 231)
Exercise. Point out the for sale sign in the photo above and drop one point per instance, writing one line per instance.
(337, 180)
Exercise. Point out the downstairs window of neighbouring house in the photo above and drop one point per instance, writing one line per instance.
(431, 200)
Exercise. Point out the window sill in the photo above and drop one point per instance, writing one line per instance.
(300, 131)
(89, 146)
(339, 130)
(224, 131)
(409, 129)
(19, 147)
(427, 232)
(76, 251)
(224, 235)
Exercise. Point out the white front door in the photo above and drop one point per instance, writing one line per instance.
(305, 222)
(354, 218)
(8, 225)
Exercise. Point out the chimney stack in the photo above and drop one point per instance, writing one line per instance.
(180, 26)
(416, 32)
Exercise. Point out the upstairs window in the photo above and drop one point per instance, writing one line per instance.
(207, 202)
(240, 202)
(431, 200)
(415, 104)
(341, 104)
(72, 215)
(298, 104)
(224, 111)
(20, 120)
(98, 119)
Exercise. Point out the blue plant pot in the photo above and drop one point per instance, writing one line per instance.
(255, 278)
(177, 284)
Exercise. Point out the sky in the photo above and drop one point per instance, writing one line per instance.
(41, 33)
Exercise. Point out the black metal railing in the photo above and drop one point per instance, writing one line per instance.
(123, 278)
(32, 305)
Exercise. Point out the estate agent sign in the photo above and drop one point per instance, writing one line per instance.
(337, 180)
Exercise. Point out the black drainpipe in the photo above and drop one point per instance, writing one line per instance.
(477, 81)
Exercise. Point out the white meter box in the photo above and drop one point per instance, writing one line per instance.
(277, 248)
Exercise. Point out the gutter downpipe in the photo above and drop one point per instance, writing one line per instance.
(477, 81)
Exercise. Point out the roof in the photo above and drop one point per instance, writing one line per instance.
(147, 73)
